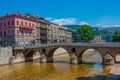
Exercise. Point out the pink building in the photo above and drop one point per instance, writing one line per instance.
(17, 29)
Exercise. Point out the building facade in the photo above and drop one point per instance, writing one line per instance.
(42, 31)
(65, 34)
(17, 29)
(97, 39)
(27, 29)
(54, 29)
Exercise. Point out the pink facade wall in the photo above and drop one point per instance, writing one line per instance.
(9, 29)
(29, 25)
(15, 29)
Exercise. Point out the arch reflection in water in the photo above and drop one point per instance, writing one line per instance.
(91, 56)
(61, 55)
(97, 69)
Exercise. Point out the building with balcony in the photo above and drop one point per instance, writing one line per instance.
(65, 34)
(27, 29)
(54, 29)
(42, 30)
(17, 29)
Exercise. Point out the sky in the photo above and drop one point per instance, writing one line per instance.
(97, 13)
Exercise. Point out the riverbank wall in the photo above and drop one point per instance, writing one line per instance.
(5, 55)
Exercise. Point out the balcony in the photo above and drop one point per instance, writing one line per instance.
(43, 38)
(43, 27)
(26, 27)
(43, 32)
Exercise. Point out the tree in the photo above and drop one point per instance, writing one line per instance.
(116, 36)
(108, 38)
(86, 33)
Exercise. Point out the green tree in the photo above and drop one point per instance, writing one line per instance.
(116, 36)
(85, 32)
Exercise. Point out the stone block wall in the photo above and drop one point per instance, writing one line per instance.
(5, 55)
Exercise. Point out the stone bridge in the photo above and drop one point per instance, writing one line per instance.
(108, 51)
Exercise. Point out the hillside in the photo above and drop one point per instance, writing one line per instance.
(105, 32)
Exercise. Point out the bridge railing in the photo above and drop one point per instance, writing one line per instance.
(73, 44)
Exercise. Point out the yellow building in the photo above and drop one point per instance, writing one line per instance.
(54, 31)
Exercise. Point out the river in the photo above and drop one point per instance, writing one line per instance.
(60, 69)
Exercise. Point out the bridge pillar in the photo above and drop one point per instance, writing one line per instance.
(74, 59)
(108, 61)
(45, 59)
(11, 60)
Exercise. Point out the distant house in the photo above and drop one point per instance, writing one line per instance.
(97, 39)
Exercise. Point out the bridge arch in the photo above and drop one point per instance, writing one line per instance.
(89, 52)
(50, 55)
(32, 54)
(52, 51)
(108, 58)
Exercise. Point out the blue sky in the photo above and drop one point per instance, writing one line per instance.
(94, 12)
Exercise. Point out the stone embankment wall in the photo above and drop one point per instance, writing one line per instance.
(5, 55)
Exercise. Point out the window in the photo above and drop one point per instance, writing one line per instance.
(29, 24)
(12, 22)
(4, 33)
(25, 23)
(17, 22)
(12, 32)
(8, 32)
(1, 33)
(0, 24)
(21, 23)
(22, 32)
(17, 31)
(4, 24)
(33, 33)
(8, 23)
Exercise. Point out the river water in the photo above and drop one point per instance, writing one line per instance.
(60, 69)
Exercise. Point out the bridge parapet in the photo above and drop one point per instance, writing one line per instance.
(75, 44)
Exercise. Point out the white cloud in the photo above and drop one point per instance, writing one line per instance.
(83, 22)
(65, 21)
(115, 25)
(49, 18)
(106, 26)
(97, 24)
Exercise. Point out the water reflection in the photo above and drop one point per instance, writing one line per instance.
(91, 56)
(59, 70)
(97, 69)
